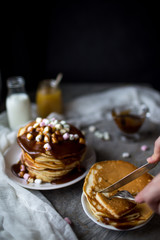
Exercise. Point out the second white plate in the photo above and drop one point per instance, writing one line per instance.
(89, 213)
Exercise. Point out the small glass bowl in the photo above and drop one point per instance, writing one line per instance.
(129, 118)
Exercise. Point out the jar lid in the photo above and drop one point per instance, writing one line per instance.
(48, 83)
(14, 82)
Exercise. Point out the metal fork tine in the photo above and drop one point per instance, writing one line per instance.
(124, 195)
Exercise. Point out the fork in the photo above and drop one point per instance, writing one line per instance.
(124, 194)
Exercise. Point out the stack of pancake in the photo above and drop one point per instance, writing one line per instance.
(50, 148)
(119, 213)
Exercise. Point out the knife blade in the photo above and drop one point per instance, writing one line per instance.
(130, 177)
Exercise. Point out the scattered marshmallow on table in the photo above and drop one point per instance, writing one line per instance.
(125, 155)
(92, 128)
(98, 134)
(67, 220)
(106, 136)
(144, 148)
(102, 135)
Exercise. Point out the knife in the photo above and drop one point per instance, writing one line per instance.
(130, 177)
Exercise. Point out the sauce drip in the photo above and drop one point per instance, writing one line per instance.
(58, 151)
(15, 168)
(120, 223)
(75, 173)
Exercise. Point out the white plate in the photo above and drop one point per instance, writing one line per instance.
(13, 154)
(89, 213)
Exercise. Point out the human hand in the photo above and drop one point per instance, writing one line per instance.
(156, 155)
(151, 194)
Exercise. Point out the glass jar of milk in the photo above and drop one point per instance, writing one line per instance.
(17, 103)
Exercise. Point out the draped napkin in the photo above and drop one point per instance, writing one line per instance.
(86, 110)
(27, 214)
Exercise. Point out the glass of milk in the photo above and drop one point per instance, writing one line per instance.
(17, 102)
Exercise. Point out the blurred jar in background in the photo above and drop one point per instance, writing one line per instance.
(17, 102)
(48, 98)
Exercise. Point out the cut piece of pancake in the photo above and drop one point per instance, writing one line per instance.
(51, 149)
(117, 212)
(116, 207)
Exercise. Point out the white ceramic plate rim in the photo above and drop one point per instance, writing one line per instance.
(89, 213)
(12, 156)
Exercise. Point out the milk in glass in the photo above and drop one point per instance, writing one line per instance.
(17, 103)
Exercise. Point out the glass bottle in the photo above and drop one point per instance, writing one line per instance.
(17, 102)
(48, 98)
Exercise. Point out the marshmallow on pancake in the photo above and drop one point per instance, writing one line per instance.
(51, 148)
(118, 212)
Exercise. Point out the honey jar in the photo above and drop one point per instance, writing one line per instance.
(48, 98)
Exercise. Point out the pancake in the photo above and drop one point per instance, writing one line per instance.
(51, 149)
(120, 213)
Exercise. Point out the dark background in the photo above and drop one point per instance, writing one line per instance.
(92, 41)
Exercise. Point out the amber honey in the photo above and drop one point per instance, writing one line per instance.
(48, 99)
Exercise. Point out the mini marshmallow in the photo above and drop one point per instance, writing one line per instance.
(38, 181)
(26, 176)
(63, 122)
(46, 129)
(35, 125)
(66, 136)
(83, 132)
(68, 220)
(125, 155)
(98, 134)
(29, 136)
(76, 136)
(42, 124)
(67, 129)
(38, 138)
(144, 148)
(55, 122)
(46, 138)
(62, 131)
(92, 128)
(45, 121)
(30, 180)
(106, 136)
(71, 136)
(58, 126)
(38, 119)
(22, 168)
(66, 126)
(29, 129)
(47, 147)
(51, 124)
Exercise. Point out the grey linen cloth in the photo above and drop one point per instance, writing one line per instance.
(86, 110)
